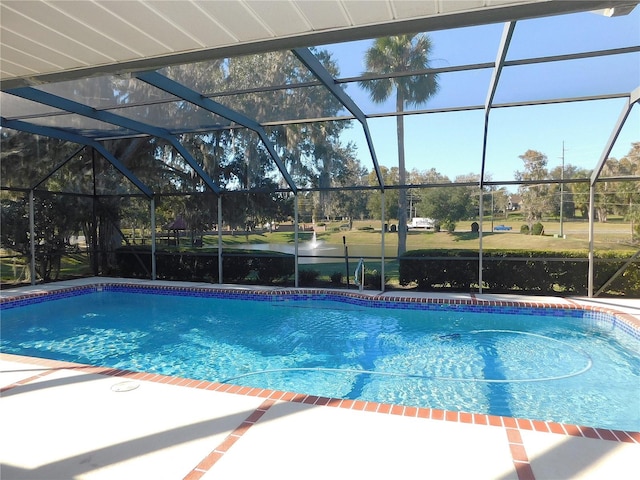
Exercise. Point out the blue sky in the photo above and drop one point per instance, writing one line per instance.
(452, 142)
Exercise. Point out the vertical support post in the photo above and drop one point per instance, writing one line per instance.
(382, 215)
(480, 240)
(562, 195)
(493, 209)
(220, 272)
(153, 238)
(32, 237)
(346, 258)
(592, 197)
(94, 230)
(295, 238)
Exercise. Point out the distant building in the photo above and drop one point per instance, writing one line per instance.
(514, 202)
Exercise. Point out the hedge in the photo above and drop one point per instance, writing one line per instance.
(521, 271)
(239, 266)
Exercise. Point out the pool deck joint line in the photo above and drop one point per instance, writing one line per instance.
(512, 426)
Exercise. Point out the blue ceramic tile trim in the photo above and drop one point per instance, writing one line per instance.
(45, 297)
(600, 318)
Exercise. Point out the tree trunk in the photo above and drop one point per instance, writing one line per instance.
(631, 216)
(402, 178)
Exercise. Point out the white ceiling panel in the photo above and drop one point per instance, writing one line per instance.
(414, 9)
(15, 60)
(52, 27)
(281, 17)
(150, 23)
(504, 3)
(324, 15)
(17, 30)
(12, 69)
(237, 20)
(52, 40)
(450, 6)
(105, 28)
(367, 13)
(189, 17)
(32, 52)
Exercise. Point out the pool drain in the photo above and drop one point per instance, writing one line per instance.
(124, 386)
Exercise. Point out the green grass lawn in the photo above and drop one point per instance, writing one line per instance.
(609, 236)
(15, 269)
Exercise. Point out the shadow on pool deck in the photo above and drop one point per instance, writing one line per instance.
(68, 427)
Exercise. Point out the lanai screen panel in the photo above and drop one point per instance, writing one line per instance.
(268, 88)
(22, 109)
(107, 91)
(559, 97)
(28, 159)
(16, 108)
(581, 128)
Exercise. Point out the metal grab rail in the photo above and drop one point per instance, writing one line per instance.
(358, 275)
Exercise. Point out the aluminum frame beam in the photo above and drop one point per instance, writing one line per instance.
(72, 106)
(322, 74)
(56, 168)
(505, 41)
(177, 89)
(634, 97)
(79, 139)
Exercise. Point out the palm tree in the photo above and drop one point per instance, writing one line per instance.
(396, 54)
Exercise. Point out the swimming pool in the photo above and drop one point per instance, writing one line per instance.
(563, 365)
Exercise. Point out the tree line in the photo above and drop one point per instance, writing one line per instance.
(617, 192)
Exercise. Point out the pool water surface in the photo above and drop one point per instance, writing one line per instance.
(568, 366)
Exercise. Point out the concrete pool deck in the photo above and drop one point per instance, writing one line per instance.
(61, 420)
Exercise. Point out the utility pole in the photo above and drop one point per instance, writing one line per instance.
(562, 192)
(492, 209)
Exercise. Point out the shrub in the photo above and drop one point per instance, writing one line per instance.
(524, 229)
(454, 269)
(449, 226)
(336, 278)
(308, 277)
(475, 227)
(519, 271)
(236, 267)
(134, 261)
(274, 267)
(538, 229)
(372, 278)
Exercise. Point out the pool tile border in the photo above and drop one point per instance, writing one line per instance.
(512, 426)
(620, 320)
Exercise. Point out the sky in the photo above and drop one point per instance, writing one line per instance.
(452, 142)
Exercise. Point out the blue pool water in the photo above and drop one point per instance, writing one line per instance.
(567, 367)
